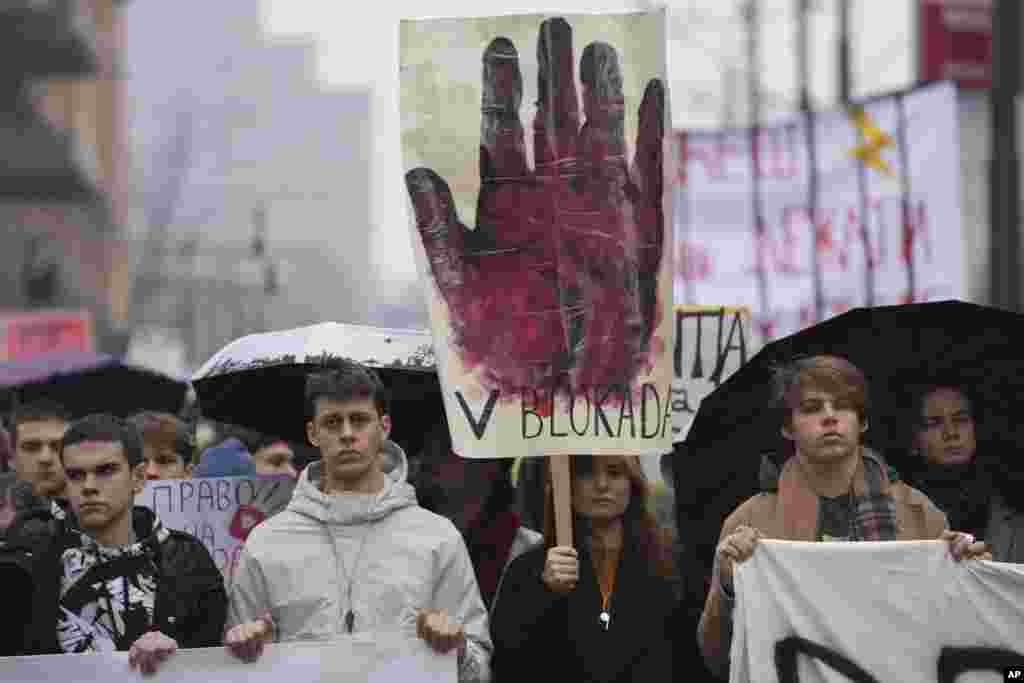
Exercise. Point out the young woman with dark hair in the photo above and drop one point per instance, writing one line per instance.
(978, 489)
(600, 611)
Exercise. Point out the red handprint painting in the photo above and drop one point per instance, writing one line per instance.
(539, 217)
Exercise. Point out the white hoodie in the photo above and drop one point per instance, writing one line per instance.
(399, 558)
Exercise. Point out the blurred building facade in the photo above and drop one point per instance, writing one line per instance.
(252, 175)
(62, 195)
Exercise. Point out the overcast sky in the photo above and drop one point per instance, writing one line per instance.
(360, 49)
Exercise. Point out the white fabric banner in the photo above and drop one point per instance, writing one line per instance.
(874, 611)
(887, 235)
(368, 658)
(219, 511)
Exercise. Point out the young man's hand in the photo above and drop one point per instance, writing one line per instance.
(736, 547)
(440, 631)
(963, 546)
(149, 651)
(246, 641)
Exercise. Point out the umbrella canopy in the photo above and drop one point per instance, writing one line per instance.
(258, 381)
(90, 383)
(901, 349)
(42, 367)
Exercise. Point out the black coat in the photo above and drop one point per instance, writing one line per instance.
(190, 603)
(541, 636)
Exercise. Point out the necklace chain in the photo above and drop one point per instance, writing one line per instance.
(350, 578)
(606, 582)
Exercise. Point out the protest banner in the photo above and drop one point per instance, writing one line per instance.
(552, 317)
(874, 612)
(28, 334)
(219, 511)
(876, 221)
(712, 342)
(366, 658)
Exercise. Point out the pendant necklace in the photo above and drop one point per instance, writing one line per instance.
(350, 615)
(606, 582)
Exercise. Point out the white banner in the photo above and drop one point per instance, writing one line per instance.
(367, 658)
(874, 612)
(886, 225)
(712, 342)
(220, 511)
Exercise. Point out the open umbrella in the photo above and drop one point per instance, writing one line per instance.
(258, 381)
(899, 348)
(89, 383)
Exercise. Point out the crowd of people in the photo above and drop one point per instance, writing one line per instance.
(373, 539)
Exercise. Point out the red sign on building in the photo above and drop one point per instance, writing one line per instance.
(29, 334)
(955, 42)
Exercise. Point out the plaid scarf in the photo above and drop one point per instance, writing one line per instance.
(874, 510)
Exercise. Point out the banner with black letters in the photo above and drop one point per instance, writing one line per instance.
(874, 612)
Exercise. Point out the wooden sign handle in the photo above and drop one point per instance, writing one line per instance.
(563, 498)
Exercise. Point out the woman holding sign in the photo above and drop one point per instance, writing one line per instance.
(599, 611)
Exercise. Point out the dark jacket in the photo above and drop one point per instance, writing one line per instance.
(541, 636)
(27, 505)
(23, 542)
(190, 604)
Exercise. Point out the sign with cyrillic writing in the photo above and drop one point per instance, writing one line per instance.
(367, 658)
(874, 220)
(712, 342)
(220, 511)
(874, 612)
(548, 270)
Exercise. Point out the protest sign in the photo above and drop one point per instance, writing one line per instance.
(367, 658)
(874, 612)
(552, 317)
(876, 220)
(220, 511)
(29, 334)
(712, 342)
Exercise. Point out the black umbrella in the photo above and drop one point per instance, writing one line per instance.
(259, 381)
(90, 383)
(901, 349)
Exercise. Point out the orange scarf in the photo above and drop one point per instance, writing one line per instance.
(606, 574)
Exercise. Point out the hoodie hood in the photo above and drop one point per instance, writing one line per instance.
(356, 508)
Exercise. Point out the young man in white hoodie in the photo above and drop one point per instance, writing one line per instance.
(353, 551)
